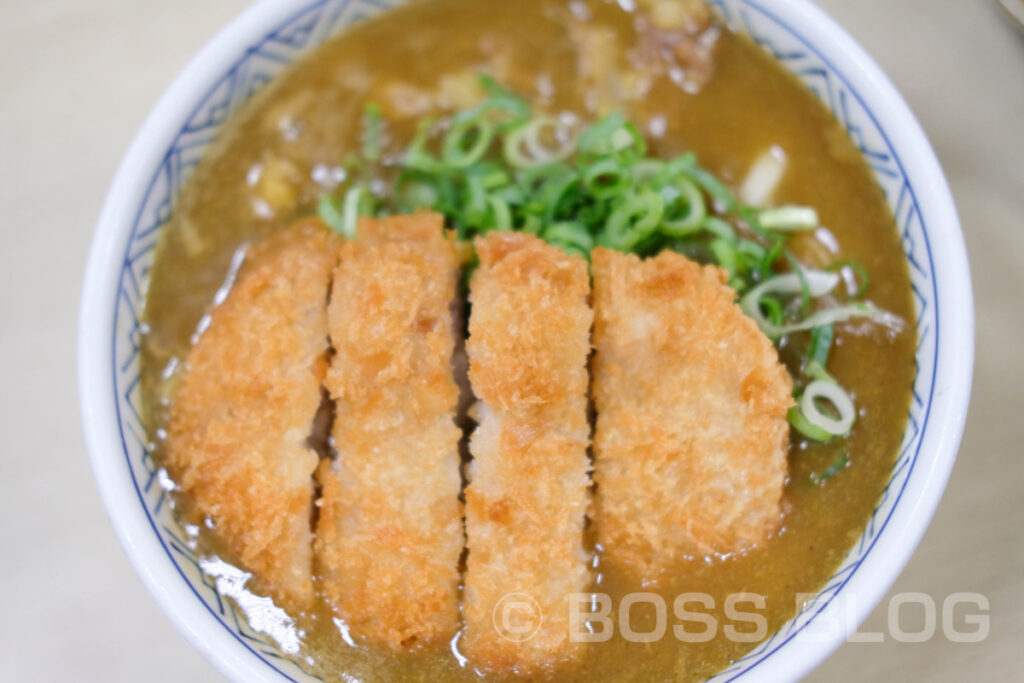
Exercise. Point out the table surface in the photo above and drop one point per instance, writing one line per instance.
(76, 80)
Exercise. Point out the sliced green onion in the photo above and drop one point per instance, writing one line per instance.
(503, 99)
(511, 109)
(714, 187)
(330, 213)
(758, 255)
(816, 370)
(725, 255)
(416, 156)
(789, 218)
(861, 272)
(817, 283)
(531, 179)
(528, 139)
(690, 221)
(628, 136)
(344, 219)
(821, 344)
(749, 216)
(774, 309)
(769, 256)
(466, 143)
(415, 190)
(840, 314)
(772, 255)
(805, 289)
(683, 164)
(718, 227)
(800, 423)
(570, 235)
(606, 178)
(475, 208)
(594, 214)
(501, 212)
(495, 89)
(635, 219)
(612, 136)
(491, 175)
(532, 224)
(832, 470)
(357, 202)
(648, 170)
(596, 139)
(555, 189)
(510, 194)
(834, 394)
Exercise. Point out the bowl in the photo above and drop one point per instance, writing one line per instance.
(272, 34)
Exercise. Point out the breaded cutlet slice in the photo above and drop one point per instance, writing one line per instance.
(691, 437)
(525, 504)
(240, 419)
(390, 533)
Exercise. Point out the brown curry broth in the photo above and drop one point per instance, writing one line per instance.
(749, 104)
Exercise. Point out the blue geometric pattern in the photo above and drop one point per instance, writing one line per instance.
(311, 25)
(801, 57)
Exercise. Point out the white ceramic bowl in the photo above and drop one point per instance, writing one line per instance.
(272, 34)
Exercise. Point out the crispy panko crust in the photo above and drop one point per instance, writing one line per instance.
(691, 438)
(525, 504)
(390, 533)
(240, 419)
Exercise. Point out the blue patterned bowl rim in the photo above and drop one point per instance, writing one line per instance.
(272, 34)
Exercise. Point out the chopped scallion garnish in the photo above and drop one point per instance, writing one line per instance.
(801, 424)
(860, 272)
(821, 344)
(330, 213)
(830, 392)
(789, 218)
(832, 470)
(499, 165)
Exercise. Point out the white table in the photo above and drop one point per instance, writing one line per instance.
(76, 79)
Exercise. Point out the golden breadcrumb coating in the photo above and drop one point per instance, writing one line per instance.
(525, 504)
(691, 437)
(240, 419)
(390, 533)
